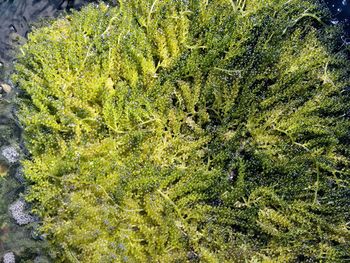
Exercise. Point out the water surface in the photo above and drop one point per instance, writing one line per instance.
(16, 16)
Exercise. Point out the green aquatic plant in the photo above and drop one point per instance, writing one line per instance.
(188, 131)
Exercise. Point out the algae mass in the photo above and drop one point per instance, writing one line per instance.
(189, 131)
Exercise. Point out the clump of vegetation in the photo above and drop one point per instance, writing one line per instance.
(188, 131)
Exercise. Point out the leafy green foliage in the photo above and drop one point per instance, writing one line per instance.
(188, 131)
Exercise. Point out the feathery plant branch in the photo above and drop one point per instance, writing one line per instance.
(188, 131)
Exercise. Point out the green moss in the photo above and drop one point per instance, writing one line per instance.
(199, 131)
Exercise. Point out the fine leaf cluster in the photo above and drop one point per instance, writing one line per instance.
(189, 131)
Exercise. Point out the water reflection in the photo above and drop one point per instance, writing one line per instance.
(16, 15)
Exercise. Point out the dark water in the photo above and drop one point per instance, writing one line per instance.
(340, 10)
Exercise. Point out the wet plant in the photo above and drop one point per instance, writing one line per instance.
(188, 131)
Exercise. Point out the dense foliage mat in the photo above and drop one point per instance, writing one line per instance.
(189, 131)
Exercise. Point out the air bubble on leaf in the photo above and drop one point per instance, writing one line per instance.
(335, 21)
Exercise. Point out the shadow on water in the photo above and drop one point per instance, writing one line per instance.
(18, 243)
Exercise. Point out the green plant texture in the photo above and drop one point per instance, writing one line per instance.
(189, 131)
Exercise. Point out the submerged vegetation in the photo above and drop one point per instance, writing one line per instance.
(188, 131)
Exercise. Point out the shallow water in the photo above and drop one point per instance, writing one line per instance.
(16, 17)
